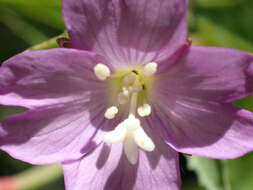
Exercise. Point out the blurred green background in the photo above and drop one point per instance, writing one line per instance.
(226, 23)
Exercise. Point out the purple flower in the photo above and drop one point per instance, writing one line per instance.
(132, 92)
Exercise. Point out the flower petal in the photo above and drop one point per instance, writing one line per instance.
(64, 97)
(58, 133)
(127, 32)
(213, 130)
(47, 77)
(210, 74)
(108, 168)
(193, 103)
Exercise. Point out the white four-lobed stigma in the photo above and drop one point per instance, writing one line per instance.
(101, 71)
(131, 133)
(117, 135)
(150, 69)
(143, 141)
(131, 150)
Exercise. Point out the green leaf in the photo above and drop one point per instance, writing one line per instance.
(20, 27)
(39, 176)
(207, 171)
(246, 103)
(216, 3)
(212, 34)
(225, 174)
(5, 111)
(238, 173)
(44, 11)
(189, 185)
(51, 43)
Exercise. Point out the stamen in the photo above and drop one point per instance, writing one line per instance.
(150, 69)
(111, 112)
(101, 71)
(144, 110)
(133, 103)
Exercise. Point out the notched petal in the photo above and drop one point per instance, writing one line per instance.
(130, 32)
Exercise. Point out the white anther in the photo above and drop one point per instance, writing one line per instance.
(144, 110)
(117, 135)
(150, 69)
(129, 79)
(111, 112)
(135, 88)
(143, 141)
(122, 98)
(102, 71)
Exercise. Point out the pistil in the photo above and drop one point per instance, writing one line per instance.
(133, 103)
(129, 131)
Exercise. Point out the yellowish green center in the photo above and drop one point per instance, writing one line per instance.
(116, 83)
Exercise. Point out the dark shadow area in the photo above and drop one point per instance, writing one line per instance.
(126, 172)
(103, 156)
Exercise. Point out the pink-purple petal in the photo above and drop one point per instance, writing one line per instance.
(204, 128)
(66, 112)
(192, 103)
(210, 74)
(108, 168)
(127, 31)
(47, 77)
(56, 133)
(214, 131)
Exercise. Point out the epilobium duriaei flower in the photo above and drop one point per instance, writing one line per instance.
(132, 92)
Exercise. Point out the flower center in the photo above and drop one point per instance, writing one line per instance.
(131, 89)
